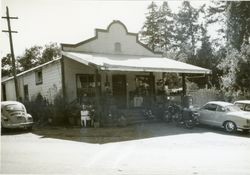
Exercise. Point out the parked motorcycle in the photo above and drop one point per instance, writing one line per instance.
(186, 117)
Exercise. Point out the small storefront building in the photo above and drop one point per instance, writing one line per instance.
(115, 67)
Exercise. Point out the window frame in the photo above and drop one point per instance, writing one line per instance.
(26, 93)
(118, 47)
(39, 79)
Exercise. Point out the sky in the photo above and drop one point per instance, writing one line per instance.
(68, 21)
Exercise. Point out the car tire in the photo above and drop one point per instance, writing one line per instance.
(230, 126)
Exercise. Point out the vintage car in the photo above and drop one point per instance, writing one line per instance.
(226, 115)
(14, 115)
(243, 105)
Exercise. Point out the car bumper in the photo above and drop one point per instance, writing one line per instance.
(19, 125)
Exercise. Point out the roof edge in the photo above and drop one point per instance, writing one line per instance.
(32, 69)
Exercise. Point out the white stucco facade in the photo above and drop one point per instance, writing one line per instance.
(105, 40)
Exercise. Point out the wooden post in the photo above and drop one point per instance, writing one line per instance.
(184, 86)
(12, 50)
(98, 94)
(152, 87)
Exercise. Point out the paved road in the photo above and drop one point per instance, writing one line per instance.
(157, 149)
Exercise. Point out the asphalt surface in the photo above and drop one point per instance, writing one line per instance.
(155, 148)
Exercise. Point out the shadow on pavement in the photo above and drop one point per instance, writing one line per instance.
(119, 134)
(18, 131)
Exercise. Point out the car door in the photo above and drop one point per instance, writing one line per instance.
(220, 116)
(207, 114)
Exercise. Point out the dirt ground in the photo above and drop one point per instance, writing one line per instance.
(117, 134)
(149, 148)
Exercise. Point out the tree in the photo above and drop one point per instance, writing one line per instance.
(187, 28)
(50, 52)
(216, 16)
(243, 69)
(166, 27)
(31, 58)
(6, 65)
(238, 23)
(38, 55)
(205, 58)
(150, 31)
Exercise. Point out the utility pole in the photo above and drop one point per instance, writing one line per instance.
(11, 49)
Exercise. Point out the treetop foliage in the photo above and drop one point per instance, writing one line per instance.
(184, 36)
(32, 57)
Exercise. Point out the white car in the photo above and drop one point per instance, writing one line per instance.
(14, 115)
(243, 105)
(226, 115)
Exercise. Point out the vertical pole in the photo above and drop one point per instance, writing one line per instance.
(184, 86)
(12, 54)
(97, 94)
(152, 86)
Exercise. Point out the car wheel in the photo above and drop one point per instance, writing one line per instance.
(230, 126)
(189, 124)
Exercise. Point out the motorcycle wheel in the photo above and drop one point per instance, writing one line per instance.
(167, 118)
(189, 124)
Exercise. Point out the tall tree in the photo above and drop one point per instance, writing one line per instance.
(166, 27)
(238, 23)
(216, 18)
(150, 30)
(187, 27)
(205, 58)
(236, 30)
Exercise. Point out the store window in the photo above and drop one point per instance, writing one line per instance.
(142, 83)
(85, 86)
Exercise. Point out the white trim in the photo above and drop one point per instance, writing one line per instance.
(135, 63)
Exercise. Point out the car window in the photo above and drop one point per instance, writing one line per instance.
(220, 109)
(14, 107)
(247, 108)
(232, 108)
(210, 107)
(240, 105)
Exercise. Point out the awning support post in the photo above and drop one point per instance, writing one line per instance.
(152, 86)
(97, 95)
(184, 86)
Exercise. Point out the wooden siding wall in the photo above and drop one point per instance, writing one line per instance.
(49, 88)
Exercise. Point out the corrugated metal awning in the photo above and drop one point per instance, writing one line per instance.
(135, 63)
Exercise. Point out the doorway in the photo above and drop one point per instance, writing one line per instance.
(119, 90)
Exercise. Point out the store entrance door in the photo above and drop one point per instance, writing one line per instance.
(119, 90)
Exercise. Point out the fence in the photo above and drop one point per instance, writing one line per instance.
(202, 96)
